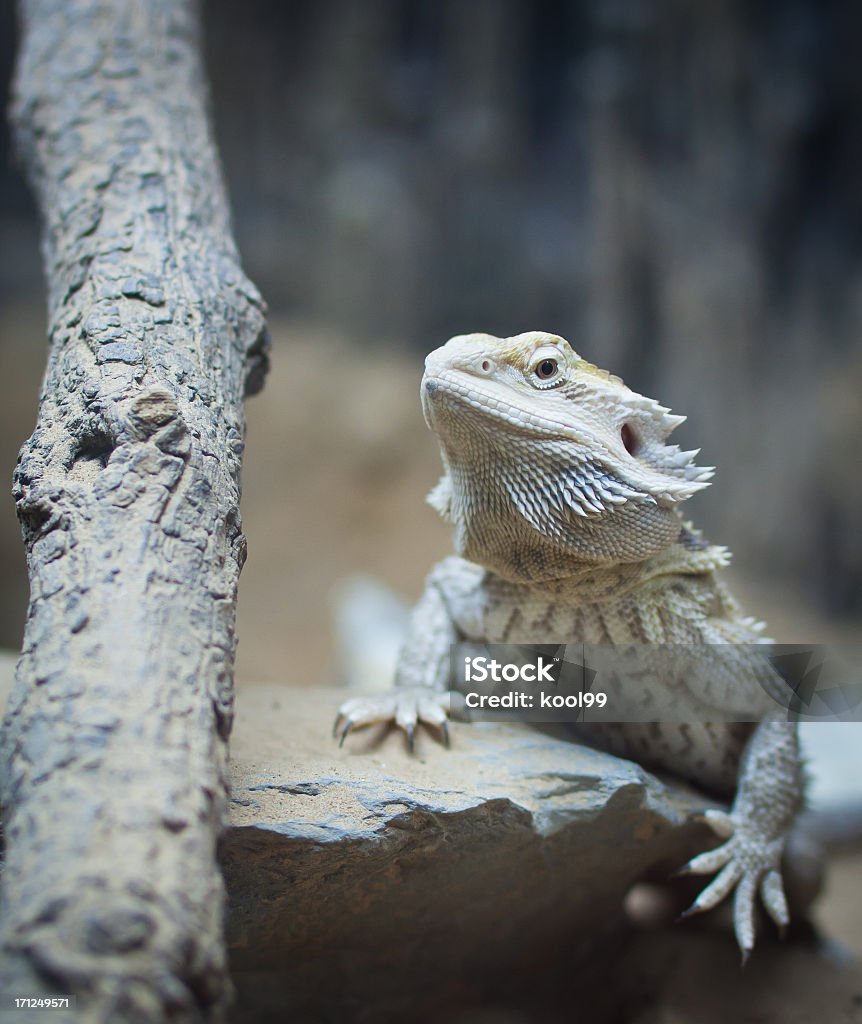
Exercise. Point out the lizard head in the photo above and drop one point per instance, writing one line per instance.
(549, 460)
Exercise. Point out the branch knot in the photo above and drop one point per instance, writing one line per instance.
(151, 410)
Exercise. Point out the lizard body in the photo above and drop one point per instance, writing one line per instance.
(564, 496)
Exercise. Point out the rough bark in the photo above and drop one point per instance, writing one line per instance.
(114, 745)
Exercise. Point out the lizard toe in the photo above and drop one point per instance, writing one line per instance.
(717, 889)
(709, 862)
(720, 822)
(774, 900)
(743, 912)
(362, 711)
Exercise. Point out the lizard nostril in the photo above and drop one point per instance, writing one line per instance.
(486, 366)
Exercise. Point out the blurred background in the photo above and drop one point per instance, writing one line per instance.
(673, 187)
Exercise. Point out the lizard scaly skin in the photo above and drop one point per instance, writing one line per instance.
(564, 497)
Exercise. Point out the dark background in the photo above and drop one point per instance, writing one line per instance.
(674, 187)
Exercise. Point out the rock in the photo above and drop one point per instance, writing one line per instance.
(363, 877)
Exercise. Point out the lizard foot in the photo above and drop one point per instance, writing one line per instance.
(406, 706)
(749, 862)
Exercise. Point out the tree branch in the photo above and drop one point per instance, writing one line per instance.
(114, 745)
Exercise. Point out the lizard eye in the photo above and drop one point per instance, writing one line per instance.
(547, 368)
(548, 373)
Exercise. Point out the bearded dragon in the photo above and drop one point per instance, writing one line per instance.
(564, 496)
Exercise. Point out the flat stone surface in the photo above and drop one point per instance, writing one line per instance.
(370, 877)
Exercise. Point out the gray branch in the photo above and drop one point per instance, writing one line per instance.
(114, 745)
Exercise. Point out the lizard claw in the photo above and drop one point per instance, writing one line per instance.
(406, 706)
(348, 726)
(749, 863)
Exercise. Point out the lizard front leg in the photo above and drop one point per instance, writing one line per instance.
(768, 797)
(451, 599)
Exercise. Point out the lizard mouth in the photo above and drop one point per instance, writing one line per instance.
(447, 396)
